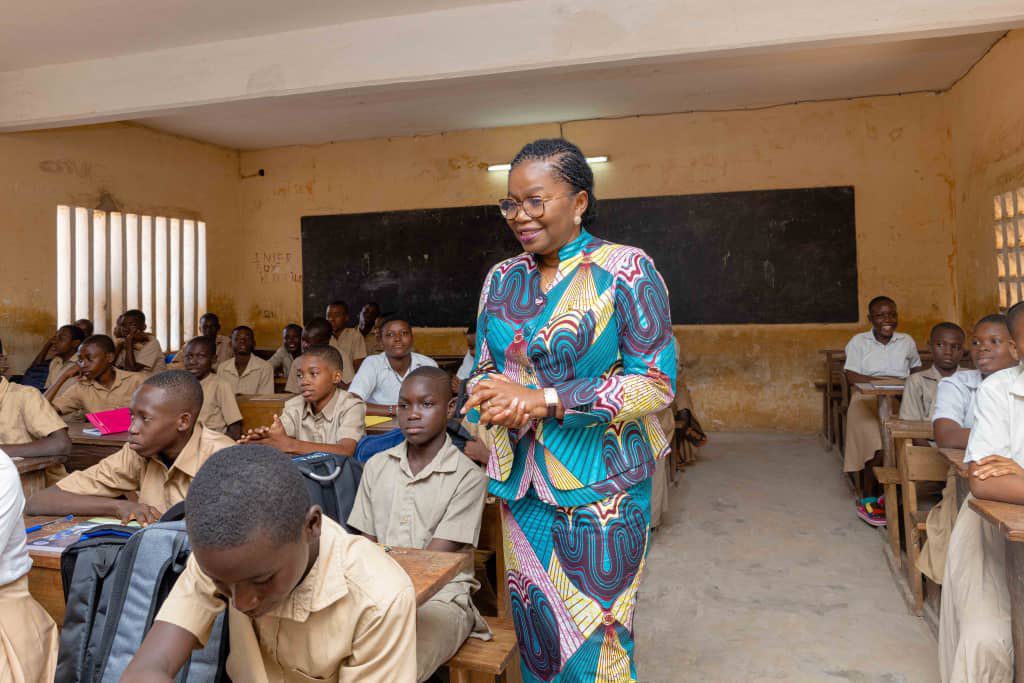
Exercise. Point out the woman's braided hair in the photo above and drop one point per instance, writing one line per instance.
(568, 164)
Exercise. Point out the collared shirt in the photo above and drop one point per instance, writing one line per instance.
(58, 366)
(128, 472)
(443, 500)
(919, 394)
(257, 378)
(999, 417)
(352, 347)
(353, 618)
(956, 397)
(14, 559)
(377, 382)
(282, 362)
(866, 355)
(344, 417)
(601, 336)
(25, 415)
(466, 369)
(220, 409)
(148, 354)
(92, 397)
(222, 353)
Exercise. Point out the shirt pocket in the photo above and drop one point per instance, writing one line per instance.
(299, 675)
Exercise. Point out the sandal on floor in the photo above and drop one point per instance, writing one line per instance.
(871, 517)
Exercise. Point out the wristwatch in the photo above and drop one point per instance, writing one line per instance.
(551, 401)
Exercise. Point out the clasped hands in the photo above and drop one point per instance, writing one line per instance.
(506, 403)
(274, 435)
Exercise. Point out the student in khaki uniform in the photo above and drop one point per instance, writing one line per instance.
(952, 417)
(220, 409)
(85, 325)
(137, 350)
(28, 636)
(424, 493)
(290, 349)
(348, 340)
(209, 327)
(305, 600)
(946, 342)
(247, 373)
(323, 417)
(65, 353)
(975, 636)
(166, 448)
(369, 327)
(99, 386)
(31, 428)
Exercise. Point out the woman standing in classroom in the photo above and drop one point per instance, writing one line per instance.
(574, 361)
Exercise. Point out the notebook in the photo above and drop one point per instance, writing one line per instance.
(111, 421)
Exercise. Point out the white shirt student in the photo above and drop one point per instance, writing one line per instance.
(956, 396)
(865, 355)
(25, 628)
(377, 382)
(999, 417)
(467, 366)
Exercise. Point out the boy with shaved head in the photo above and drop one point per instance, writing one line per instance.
(305, 600)
(165, 449)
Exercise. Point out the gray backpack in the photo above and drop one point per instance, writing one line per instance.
(114, 587)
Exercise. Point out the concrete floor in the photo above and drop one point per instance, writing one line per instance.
(761, 571)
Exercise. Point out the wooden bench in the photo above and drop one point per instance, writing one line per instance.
(488, 660)
(917, 464)
(898, 432)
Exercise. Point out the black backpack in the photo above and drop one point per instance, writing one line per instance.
(115, 580)
(332, 482)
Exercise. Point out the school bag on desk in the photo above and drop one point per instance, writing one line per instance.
(332, 481)
(114, 584)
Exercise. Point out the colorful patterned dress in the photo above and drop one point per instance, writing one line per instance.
(576, 492)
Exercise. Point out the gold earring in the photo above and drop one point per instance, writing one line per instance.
(577, 220)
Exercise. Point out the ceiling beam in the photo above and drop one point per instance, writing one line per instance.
(477, 40)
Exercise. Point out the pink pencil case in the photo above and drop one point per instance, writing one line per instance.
(111, 421)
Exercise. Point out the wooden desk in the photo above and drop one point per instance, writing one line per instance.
(33, 474)
(429, 570)
(955, 457)
(258, 410)
(1009, 519)
(898, 433)
(87, 450)
(884, 392)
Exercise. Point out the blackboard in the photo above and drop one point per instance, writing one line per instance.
(762, 256)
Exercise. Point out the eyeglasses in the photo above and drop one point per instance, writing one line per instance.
(533, 206)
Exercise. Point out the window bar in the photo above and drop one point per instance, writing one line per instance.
(99, 271)
(175, 289)
(64, 265)
(82, 263)
(188, 279)
(131, 260)
(160, 328)
(201, 267)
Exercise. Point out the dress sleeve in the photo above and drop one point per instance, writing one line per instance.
(485, 364)
(647, 381)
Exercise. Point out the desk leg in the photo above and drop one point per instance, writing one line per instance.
(892, 505)
(1015, 582)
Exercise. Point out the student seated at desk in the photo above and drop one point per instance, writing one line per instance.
(424, 493)
(247, 373)
(880, 352)
(323, 417)
(99, 385)
(166, 447)
(31, 428)
(369, 326)
(317, 332)
(64, 349)
(28, 636)
(220, 409)
(137, 350)
(381, 375)
(946, 342)
(85, 325)
(290, 349)
(952, 417)
(349, 342)
(975, 639)
(306, 601)
(209, 327)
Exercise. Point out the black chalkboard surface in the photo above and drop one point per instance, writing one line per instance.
(763, 256)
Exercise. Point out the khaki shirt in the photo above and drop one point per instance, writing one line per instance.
(128, 472)
(919, 395)
(444, 500)
(93, 397)
(282, 362)
(344, 417)
(257, 378)
(373, 344)
(25, 415)
(220, 409)
(353, 618)
(352, 347)
(147, 354)
(58, 366)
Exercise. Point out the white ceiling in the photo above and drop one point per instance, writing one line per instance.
(755, 79)
(42, 32)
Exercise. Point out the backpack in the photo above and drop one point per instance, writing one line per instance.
(115, 580)
(372, 444)
(332, 481)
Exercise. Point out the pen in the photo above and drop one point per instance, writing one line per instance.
(37, 527)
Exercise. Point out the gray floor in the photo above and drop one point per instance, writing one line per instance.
(762, 572)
